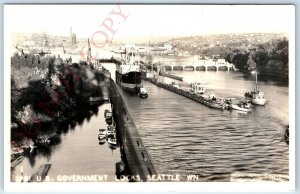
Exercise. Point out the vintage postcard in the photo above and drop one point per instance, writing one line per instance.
(149, 97)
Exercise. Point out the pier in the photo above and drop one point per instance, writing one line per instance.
(136, 155)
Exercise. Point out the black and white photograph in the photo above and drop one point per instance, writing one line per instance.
(190, 97)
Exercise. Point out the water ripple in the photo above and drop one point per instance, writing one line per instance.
(188, 138)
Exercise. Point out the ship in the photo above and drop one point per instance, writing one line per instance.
(128, 73)
(257, 97)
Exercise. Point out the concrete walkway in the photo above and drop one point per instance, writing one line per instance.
(137, 157)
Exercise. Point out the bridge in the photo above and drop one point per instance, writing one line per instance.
(201, 65)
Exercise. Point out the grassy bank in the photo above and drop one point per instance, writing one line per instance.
(47, 92)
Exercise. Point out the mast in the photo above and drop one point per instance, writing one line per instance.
(256, 81)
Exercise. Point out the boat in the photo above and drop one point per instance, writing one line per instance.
(101, 137)
(112, 141)
(257, 97)
(128, 74)
(242, 106)
(108, 115)
(102, 141)
(102, 134)
(213, 102)
(197, 88)
(111, 130)
(143, 93)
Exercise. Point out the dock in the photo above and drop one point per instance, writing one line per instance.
(200, 99)
(136, 156)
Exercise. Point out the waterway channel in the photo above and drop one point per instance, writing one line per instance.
(187, 138)
(78, 153)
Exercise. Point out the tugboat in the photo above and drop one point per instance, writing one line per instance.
(257, 97)
(143, 93)
(214, 102)
(128, 73)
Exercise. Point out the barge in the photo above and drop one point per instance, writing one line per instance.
(210, 102)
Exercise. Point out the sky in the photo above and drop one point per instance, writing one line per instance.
(148, 20)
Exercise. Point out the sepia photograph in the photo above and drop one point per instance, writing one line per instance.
(159, 97)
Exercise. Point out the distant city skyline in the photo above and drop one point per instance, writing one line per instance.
(148, 20)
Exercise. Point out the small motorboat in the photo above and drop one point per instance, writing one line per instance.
(112, 141)
(108, 114)
(109, 121)
(111, 129)
(101, 142)
(242, 106)
(143, 93)
(102, 133)
(111, 132)
(101, 137)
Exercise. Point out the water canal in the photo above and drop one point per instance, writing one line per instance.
(187, 138)
(79, 153)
